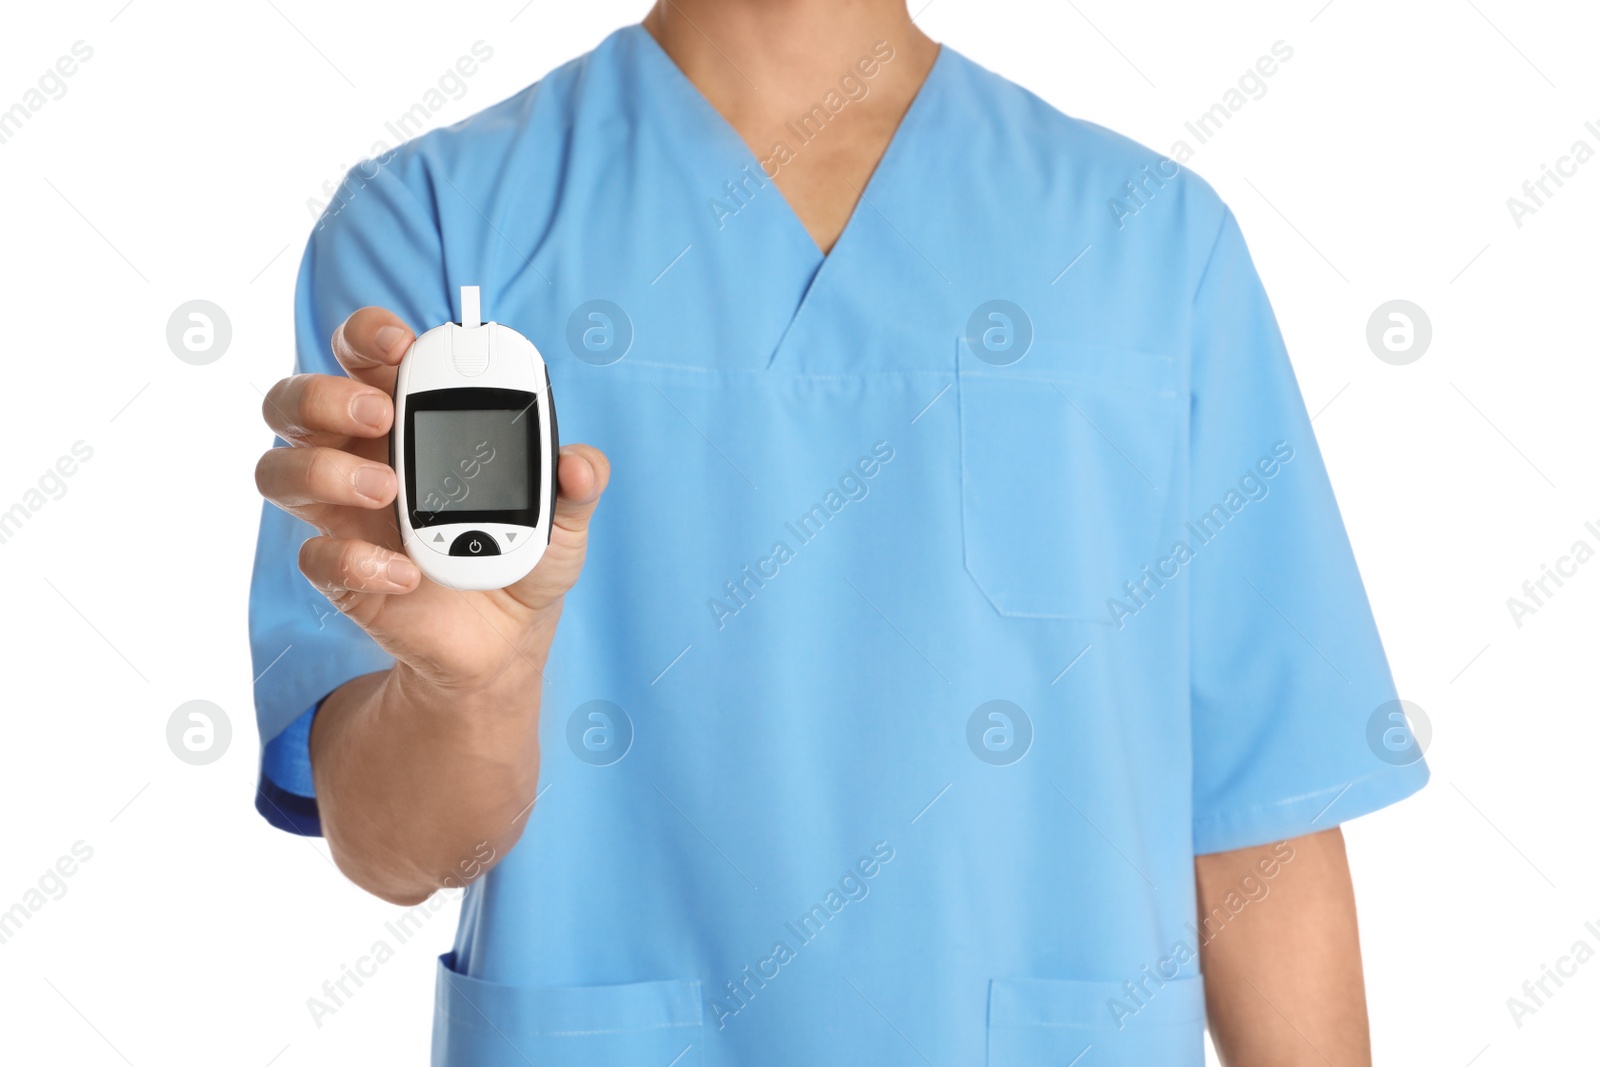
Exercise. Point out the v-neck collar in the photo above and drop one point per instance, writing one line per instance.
(725, 129)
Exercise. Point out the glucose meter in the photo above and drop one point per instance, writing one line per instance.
(474, 447)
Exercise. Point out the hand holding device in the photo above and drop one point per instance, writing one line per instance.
(336, 477)
(450, 731)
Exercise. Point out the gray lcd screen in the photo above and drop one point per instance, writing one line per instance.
(473, 460)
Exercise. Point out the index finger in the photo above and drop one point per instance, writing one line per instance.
(370, 344)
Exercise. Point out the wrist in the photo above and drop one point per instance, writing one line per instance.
(511, 688)
(510, 661)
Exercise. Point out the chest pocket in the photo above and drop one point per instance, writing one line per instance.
(1066, 468)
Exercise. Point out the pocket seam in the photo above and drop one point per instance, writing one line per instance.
(1012, 1018)
(518, 1006)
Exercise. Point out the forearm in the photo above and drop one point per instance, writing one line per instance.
(1283, 977)
(420, 787)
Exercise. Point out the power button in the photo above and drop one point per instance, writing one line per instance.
(474, 543)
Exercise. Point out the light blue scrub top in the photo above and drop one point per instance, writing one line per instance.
(923, 641)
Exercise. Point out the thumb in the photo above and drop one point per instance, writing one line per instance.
(582, 475)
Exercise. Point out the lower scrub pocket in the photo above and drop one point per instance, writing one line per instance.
(640, 1024)
(1095, 1024)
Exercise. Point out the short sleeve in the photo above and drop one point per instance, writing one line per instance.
(377, 243)
(1287, 674)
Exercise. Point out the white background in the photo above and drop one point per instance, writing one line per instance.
(178, 166)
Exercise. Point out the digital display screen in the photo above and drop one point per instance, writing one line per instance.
(472, 460)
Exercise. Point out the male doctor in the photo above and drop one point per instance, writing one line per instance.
(968, 664)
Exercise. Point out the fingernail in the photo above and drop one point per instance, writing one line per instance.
(372, 482)
(400, 571)
(389, 337)
(369, 409)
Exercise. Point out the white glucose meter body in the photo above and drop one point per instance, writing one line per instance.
(474, 447)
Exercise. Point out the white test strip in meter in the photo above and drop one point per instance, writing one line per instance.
(475, 447)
